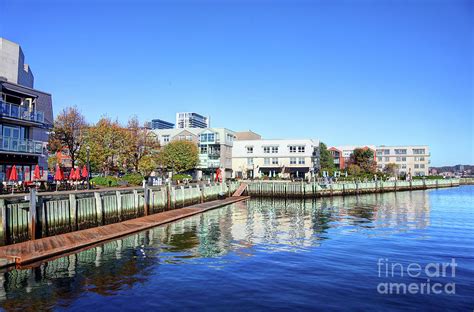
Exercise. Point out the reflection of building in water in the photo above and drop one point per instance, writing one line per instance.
(273, 224)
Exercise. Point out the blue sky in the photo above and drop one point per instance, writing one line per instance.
(346, 72)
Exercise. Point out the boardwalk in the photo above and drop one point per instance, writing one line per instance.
(36, 250)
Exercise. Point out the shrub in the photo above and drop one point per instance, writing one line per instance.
(105, 181)
(181, 177)
(133, 179)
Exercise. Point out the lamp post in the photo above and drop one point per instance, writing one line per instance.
(88, 168)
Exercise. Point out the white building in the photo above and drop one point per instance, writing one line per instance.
(214, 144)
(275, 158)
(410, 159)
(191, 120)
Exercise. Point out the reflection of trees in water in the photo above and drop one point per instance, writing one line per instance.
(104, 270)
(274, 224)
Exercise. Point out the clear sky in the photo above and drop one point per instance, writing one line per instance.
(346, 72)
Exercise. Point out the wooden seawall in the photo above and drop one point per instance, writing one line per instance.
(24, 218)
(314, 190)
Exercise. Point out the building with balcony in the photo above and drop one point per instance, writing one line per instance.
(191, 120)
(411, 160)
(214, 144)
(342, 154)
(26, 115)
(275, 158)
(161, 124)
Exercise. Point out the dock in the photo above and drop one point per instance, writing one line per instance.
(32, 251)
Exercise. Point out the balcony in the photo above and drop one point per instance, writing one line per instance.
(19, 112)
(21, 146)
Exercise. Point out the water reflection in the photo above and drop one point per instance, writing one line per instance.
(241, 229)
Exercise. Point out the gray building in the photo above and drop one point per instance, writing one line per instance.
(161, 124)
(191, 120)
(26, 115)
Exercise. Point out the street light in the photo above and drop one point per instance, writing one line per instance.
(88, 168)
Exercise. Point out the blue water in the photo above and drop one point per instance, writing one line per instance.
(271, 254)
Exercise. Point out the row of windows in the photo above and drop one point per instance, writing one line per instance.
(274, 149)
(276, 161)
(404, 166)
(401, 151)
(386, 159)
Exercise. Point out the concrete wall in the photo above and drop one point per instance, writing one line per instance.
(12, 64)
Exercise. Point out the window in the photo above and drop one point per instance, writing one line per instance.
(301, 161)
(292, 149)
(417, 166)
(166, 138)
(379, 158)
(386, 152)
(250, 161)
(230, 137)
(249, 149)
(422, 166)
(181, 137)
(422, 158)
(207, 137)
(418, 151)
(400, 151)
(266, 149)
(266, 161)
(293, 161)
(399, 159)
(203, 149)
(403, 166)
(189, 138)
(387, 158)
(379, 152)
(404, 159)
(274, 149)
(274, 161)
(301, 149)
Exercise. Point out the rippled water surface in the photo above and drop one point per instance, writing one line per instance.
(269, 254)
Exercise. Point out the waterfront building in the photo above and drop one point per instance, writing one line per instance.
(191, 120)
(215, 148)
(275, 158)
(342, 154)
(161, 124)
(410, 159)
(26, 114)
(247, 135)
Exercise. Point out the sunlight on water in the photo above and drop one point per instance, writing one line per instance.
(264, 253)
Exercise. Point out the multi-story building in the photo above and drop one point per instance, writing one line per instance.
(275, 158)
(161, 124)
(342, 154)
(191, 120)
(215, 148)
(411, 160)
(26, 114)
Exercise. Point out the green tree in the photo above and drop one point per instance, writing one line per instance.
(364, 159)
(180, 156)
(325, 158)
(147, 164)
(353, 170)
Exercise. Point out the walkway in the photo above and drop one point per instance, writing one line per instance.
(36, 250)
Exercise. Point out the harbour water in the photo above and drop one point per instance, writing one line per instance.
(334, 253)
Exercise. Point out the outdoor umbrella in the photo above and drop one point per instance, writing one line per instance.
(77, 175)
(36, 173)
(13, 174)
(58, 175)
(72, 174)
(85, 173)
(218, 174)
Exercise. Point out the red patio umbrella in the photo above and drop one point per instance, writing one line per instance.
(58, 175)
(218, 175)
(36, 173)
(85, 173)
(77, 175)
(13, 174)
(72, 174)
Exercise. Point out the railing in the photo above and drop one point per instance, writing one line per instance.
(19, 112)
(19, 145)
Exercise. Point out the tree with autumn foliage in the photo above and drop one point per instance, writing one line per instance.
(107, 142)
(364, 159)
(68, 133)
(141, 148)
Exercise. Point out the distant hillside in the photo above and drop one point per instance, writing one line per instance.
(456, 168)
